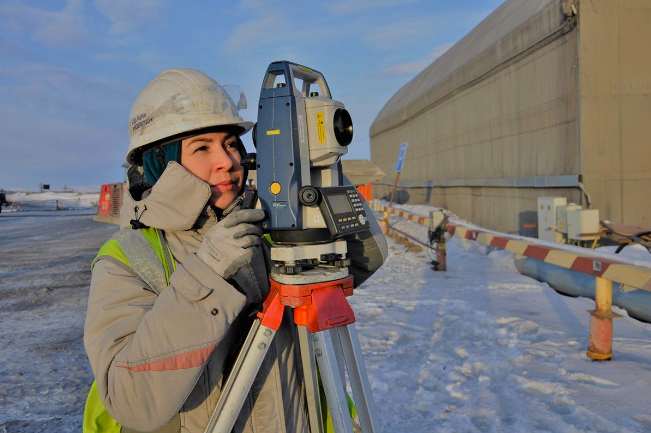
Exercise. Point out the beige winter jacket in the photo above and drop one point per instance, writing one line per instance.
(159, 360)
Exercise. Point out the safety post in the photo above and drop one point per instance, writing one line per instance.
(399, 163)
(441, 256)
(601, 322)
(384, 224)
(385, 221)
(438, 221)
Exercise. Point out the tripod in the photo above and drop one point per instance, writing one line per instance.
(327, 337)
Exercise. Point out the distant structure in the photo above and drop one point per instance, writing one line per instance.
(3, 198)
(542, 98)
(362, 173)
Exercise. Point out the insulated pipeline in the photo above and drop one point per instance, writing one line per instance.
(566, 281)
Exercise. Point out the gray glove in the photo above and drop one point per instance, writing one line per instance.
(232, 242)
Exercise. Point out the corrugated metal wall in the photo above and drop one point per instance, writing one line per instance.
(503, 105)
(615, 65)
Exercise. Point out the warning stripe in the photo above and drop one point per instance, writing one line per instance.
(631, 275)
(404, 214)
(613, 270)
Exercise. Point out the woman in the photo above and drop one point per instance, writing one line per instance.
(160, 350)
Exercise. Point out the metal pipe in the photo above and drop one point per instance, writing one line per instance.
(393, 192)
(584, 191)
(637, 303)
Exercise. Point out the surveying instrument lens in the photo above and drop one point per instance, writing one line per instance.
(343, 125)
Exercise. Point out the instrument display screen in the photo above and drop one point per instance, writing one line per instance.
(339, 203)
(342, 210)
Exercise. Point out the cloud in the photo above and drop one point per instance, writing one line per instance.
(291, 31)
(58, 151)
(398, 34)
(412, 68)
(128, 15)
(152, 61)
(61, 29)
(347, 6)
(147, 59)
(13, 49)
(255, 33)
(108, 57)
(61, 126)
(57, 90)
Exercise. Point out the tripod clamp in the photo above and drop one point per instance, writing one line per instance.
(318, 306)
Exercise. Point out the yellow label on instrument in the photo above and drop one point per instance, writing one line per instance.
(303, 68)
(320, 126)
(274, 132)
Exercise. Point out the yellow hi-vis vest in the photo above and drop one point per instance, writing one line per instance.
(125, 246)
(154, 265)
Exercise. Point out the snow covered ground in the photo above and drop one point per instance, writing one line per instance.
(44, 277)
(479, 348)
(482, 348)
(49, 201)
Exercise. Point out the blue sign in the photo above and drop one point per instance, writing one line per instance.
(401, 157)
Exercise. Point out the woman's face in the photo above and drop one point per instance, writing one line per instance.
(214, 158)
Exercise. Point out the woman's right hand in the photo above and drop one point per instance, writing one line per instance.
(232, 242)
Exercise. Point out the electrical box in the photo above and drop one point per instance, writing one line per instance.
(561, 216)
(110, 199)
(582, 221)
(436, 219)
(547, 218)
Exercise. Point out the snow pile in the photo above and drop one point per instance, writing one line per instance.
(48, 200)
(634, 253)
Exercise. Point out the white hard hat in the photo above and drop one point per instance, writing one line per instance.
(177, 102)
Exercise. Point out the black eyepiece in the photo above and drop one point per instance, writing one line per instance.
(309, 196)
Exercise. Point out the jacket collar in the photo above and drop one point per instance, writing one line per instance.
(178, 201)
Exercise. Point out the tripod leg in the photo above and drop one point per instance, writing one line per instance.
(336, 342)
(311, 381)
(332, 383)
(241, 378)
(358, 379)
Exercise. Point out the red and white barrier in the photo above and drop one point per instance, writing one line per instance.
(605, 269)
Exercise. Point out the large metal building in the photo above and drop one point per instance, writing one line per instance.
(542, 98)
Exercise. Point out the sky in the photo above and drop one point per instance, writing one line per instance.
(70, 69)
